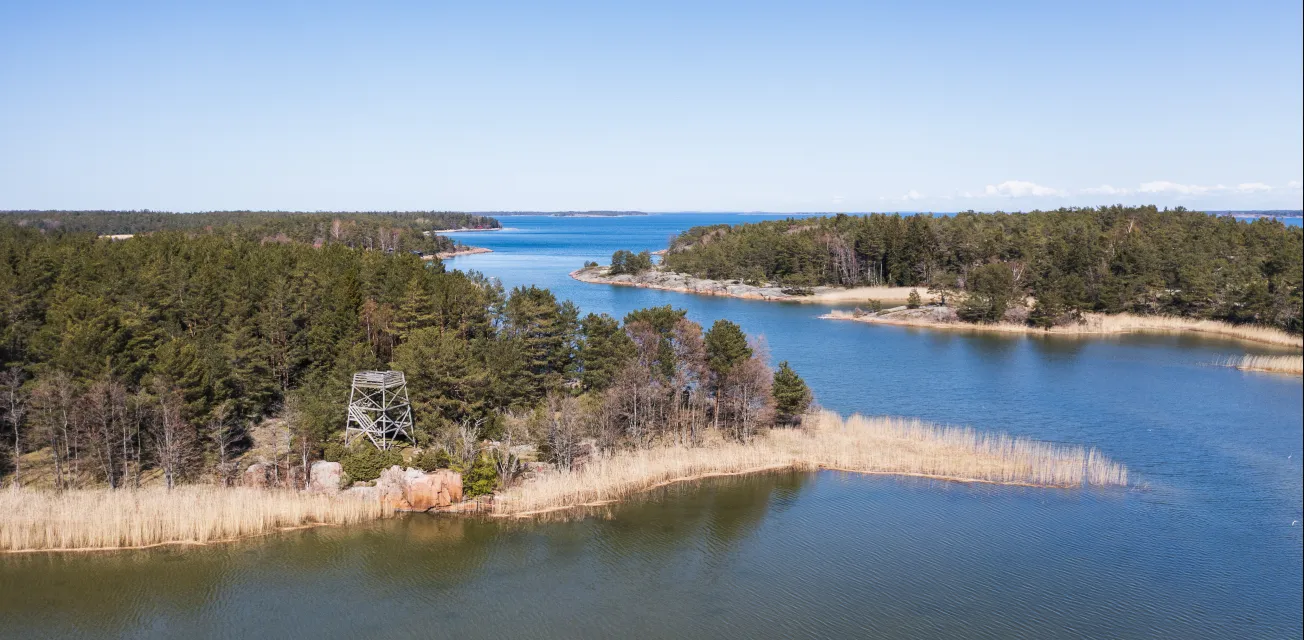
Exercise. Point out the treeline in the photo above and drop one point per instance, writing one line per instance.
(166, 353)
(1112, 259)
(381, 230)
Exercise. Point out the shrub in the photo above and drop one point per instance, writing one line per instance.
(481, 478)
(333, 451)
(913, 301)
(363, 461)
(875, 306)
(432, 458)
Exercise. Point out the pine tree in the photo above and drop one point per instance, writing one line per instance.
(604, 351)
(546, 333)
(791, 395)
(726, 348)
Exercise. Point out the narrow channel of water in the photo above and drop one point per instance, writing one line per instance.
(1207, 546)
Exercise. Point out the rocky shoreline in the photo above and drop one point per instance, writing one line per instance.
(683, 283)
(1092, 324)
(460, 251)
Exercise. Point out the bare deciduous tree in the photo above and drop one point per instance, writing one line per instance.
(224, 432)
(173, 438)
(14, 400)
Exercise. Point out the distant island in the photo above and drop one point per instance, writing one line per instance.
(1267, 213)
(391, 231)
(565, 214)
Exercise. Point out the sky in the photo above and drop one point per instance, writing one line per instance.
(654, 106)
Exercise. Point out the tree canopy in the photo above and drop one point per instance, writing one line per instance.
(1110, 259)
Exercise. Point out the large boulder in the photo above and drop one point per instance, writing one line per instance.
(415, 490)
(324, 477)
(391, 489)
(255, 476)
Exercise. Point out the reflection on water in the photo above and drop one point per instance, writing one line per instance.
(776, 555)
(1205, 548)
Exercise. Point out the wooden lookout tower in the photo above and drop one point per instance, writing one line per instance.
(378, 408)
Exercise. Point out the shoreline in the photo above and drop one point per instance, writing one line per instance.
(886, 446)
(464, 251)
(684, 283)
(104, 519)
(107, 520)
(1094, 324)
(466, 230)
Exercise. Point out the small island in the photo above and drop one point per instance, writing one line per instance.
(1069, 271)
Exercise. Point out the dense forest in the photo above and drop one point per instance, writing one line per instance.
(1112, 259)
(392, 231)
(164, 355)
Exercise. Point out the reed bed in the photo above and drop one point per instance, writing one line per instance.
(1275, 364)
(89, 519)
(1098, 324)
(882, 445)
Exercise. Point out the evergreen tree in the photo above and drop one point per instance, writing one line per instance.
(791, 395)
(726, 348)
(546, 331)
(446, 384)
(603, 352)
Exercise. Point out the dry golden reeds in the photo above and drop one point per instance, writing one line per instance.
(1275, 364)
(34, 520)
(882, 445)
(1099, 324)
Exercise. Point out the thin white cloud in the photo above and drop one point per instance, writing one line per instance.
(1164, 186)
(1293, 184)
(1107, 190)
(1020, 189)
(1252, 187)
(912, 195)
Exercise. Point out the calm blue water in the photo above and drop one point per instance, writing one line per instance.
(1217, 451)
(1206, 546)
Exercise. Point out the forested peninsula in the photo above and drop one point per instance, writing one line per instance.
(187, 386)
(1042, 269)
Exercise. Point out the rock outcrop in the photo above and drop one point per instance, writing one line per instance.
(415, 490)
(255, 476)
(324, 477)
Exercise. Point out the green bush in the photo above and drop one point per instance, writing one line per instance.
(432, 458)
(913, 301)
(333, 451)
(481, 479)
(363, 461)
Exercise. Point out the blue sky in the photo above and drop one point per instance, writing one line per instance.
(660, 106)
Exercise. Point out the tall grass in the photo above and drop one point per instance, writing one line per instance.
(1275, 364)
(1099, 323)
(33, 520)
(883, 445)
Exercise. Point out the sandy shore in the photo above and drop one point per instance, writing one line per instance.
(1092, 324)
(460, 251)
(684, 283)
